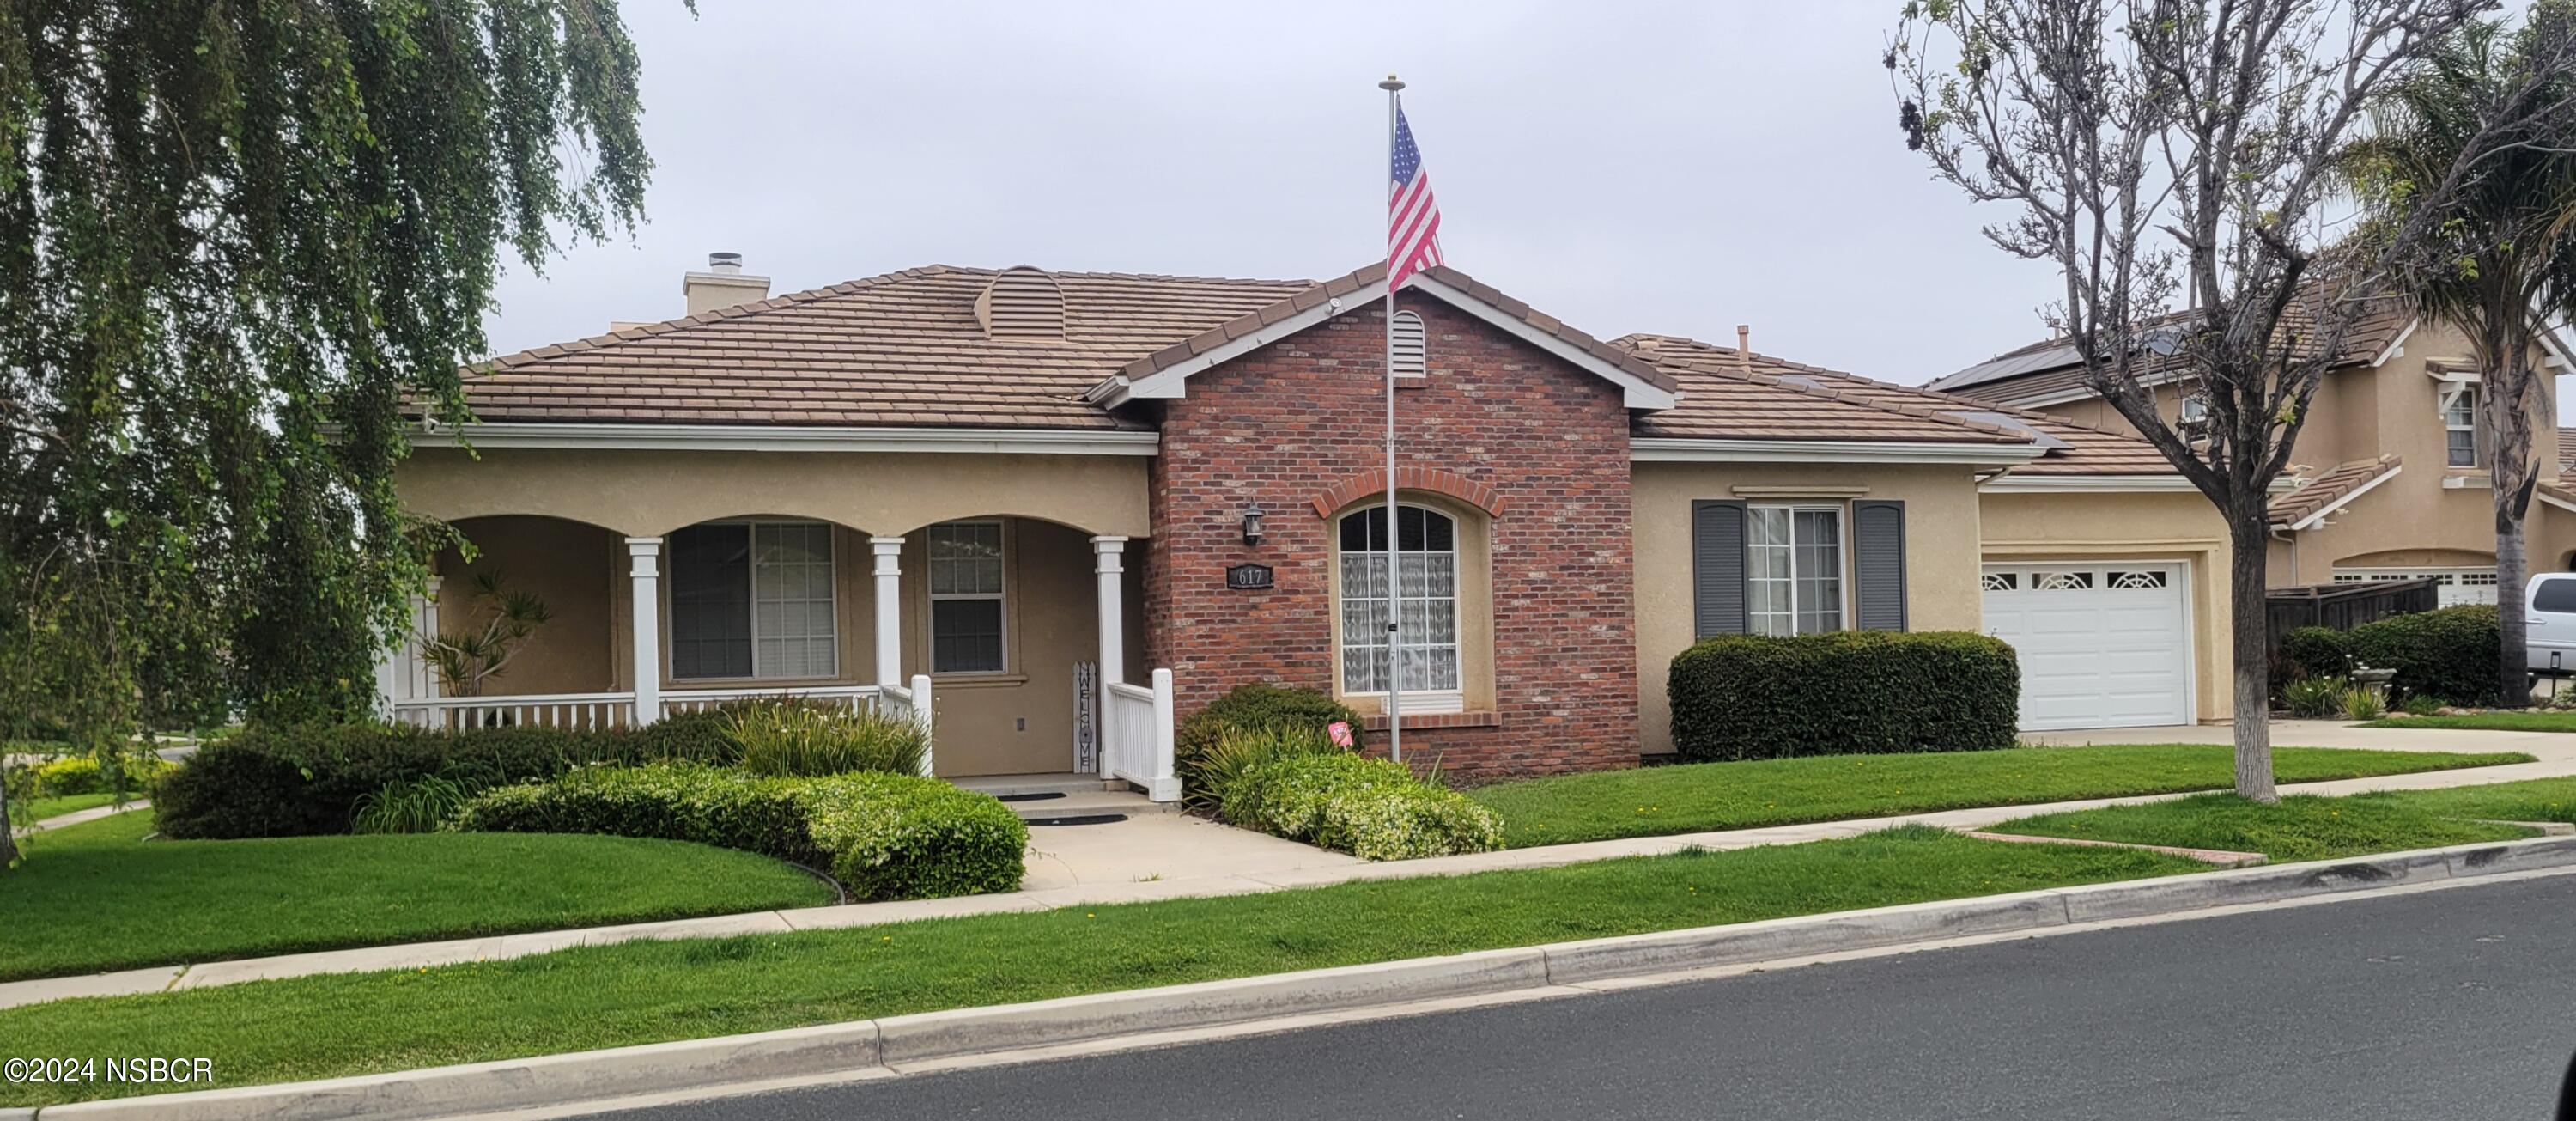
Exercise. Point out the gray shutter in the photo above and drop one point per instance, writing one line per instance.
(1717, 567)
(1878, 565)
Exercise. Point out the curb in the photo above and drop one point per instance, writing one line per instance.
(841, 1048)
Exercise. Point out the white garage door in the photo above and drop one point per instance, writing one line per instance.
(2101, 646)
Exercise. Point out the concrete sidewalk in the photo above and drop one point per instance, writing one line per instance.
(1082, 866)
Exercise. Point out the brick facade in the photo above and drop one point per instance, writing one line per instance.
(1299, 420)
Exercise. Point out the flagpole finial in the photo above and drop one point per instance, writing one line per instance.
(1391, 84)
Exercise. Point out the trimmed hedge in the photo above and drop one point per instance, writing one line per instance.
(307, 780)
(884, 836)
(1374, 809)
(1255, 707)
(1844, 692)
(2451, 655)
(81, 774)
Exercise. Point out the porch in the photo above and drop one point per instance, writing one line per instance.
(979, 628)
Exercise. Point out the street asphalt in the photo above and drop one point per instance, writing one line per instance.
(2456, 1004)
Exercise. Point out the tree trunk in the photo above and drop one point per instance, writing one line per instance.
(2513, 570)
(2249, 534)
(8, 825)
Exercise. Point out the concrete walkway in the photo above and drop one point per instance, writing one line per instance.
(1094, 865)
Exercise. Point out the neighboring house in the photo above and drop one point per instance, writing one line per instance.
(983, 484)
(2391, 482)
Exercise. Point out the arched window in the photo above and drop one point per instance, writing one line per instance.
(1427, 594)
(1412, 346)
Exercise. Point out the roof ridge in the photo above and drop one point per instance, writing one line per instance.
(1961, 399)
(666, 326)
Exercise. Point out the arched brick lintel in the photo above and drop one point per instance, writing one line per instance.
(1431, 479)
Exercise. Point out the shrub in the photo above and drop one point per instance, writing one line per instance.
(2362, 703)
(1238, 750)
(796, 738)
(884, 836)
(1374, 809)
(2313, 698)
(409, 806)
(897, 836)
(1255, 706)
(2420, 705)
(2450, 654)
(1845, 692)
(308, 779)
(2317, 653)
(82, 774)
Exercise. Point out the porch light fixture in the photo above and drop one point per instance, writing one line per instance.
(1252, 526)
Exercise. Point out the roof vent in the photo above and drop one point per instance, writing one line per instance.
(1021, 303)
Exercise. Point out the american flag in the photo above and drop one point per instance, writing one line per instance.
(1412, 215)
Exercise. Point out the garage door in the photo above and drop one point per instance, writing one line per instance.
(2101, 646)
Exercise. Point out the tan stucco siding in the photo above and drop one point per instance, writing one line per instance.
(649, 493)
(2172, 526)
(566, 564)
(1941, 551)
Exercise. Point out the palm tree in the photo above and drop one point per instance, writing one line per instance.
(2504, 261)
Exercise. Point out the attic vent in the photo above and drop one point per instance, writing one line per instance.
(1412, 345)
(1021, 303)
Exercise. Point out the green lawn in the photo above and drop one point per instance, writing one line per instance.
(42, 808)
(608, 996)
(2301, 827)
(2539, 799)
(96, 896)
(1695, 797)
(2487, 722)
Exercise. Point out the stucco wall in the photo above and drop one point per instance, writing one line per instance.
(565, 563)
(1941, 551)
(2171, 526)
(649, 493)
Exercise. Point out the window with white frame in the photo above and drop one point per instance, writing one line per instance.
(753, 599)
(2460, 424)
(1793, 569)
(1427, 594)
(967, 605)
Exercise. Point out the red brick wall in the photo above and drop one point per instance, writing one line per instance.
(1287, 423)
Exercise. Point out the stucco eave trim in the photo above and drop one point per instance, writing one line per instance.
(765, 438)
(1682, 449)
(2086, 484)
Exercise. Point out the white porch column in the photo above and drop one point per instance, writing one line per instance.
(402, 668)
(1106, 567)
(889, 573)
(645, 556)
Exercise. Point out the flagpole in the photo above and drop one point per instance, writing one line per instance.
(1394, 581)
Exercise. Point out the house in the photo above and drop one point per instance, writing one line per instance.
(1060, 509)
(2391, 482)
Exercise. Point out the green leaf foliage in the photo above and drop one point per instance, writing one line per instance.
(1255, 707)
(1375, 809)
(237, 243)
(1844, 692)
(311, 779)
(883, 836)
(2451, 654)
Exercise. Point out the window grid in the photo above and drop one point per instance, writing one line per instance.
(1793, 569)
(778, 622)
(967, 610)
(2460, 426)
(1427, 594)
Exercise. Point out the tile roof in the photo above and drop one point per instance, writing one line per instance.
(1720, 400)
(900, 350)
(2051, 366)
(2323, 491)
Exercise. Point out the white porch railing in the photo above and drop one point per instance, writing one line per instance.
(607, 710)
(911, 702)
(551, 710)
(1136, 736)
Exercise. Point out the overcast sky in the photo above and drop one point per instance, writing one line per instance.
(1627, 166)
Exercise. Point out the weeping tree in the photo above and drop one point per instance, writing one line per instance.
(2175, 161)
(235, 240)
(2501, 259)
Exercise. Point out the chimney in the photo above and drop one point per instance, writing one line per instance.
(1744, 349)
(723, 285)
